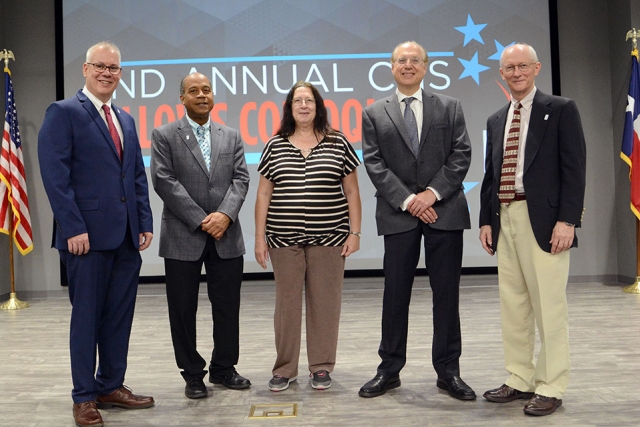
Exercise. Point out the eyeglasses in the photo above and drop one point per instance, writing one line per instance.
(414, 61)
(101, 68)
(299, 101)
(525, 66)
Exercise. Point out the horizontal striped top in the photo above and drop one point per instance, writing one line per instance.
(308, 206)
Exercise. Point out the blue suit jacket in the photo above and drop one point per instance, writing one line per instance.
(89, 189)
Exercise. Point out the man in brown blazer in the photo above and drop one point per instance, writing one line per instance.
(199, 171)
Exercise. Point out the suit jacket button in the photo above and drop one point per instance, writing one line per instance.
(124, 199)
(123, 176)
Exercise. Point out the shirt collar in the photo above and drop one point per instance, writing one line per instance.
(195, 126)
(526, 101)
(401, 96)
(94, 99)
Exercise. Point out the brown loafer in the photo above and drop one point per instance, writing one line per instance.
(542, 405)
(86, 414)
(124, 398)
(504, 394)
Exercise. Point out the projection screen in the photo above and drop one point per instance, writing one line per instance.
(254, 50)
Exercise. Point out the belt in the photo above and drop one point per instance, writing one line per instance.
(519, 196)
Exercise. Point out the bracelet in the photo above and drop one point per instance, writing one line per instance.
(356, 233)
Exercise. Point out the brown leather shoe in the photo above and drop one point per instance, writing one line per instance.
(542, 405)
(86, 414)
(504, 394)
(123, 398)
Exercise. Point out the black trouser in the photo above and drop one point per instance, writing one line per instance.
(224, 277)
(443, 259)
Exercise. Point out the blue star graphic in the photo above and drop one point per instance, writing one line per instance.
(471, 31)
(472, 68)
(499, 49)
(468, 186)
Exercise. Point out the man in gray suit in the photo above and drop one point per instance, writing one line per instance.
(417, 153)
(199, 171)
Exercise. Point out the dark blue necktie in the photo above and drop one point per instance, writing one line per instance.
(412, 126)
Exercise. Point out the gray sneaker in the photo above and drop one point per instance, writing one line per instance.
(280, 383)
(320, 380)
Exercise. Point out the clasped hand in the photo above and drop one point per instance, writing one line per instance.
(421, 206)
(215, 224)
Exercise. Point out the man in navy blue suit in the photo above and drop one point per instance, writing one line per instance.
(94, 176)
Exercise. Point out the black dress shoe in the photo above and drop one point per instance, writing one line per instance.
(456, 388)
(504, 394)
(379, 385)
(542, 405)
(195, 389)
(232, 380)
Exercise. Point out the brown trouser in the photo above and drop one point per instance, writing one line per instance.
(319, 270)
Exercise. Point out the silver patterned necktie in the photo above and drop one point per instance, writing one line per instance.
(412, 126)
(205, 147)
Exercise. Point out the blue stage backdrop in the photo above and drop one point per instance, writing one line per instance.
(254, 50)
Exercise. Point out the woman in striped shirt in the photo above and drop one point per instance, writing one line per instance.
(308, 217)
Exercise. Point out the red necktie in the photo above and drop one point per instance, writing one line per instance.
(112, 130)
(510, 160)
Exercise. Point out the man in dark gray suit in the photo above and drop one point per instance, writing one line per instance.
(531, 202)
(417, 153)
(199, 171)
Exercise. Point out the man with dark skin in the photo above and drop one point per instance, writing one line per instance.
(199, 171)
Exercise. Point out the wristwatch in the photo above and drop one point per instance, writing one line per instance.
(569, 224)
(356, 233)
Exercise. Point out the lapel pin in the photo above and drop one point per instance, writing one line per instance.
(546, 116)
(187, 136)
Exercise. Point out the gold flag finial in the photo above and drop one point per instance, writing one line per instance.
(634, 34)
(7, 55)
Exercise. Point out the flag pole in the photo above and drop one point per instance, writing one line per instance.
(13, 303)
(634, 288)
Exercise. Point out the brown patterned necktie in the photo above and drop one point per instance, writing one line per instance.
(113, 131)
(507, 190)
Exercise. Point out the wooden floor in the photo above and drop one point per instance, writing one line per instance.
(35, 380)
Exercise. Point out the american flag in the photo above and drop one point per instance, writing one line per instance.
(14, 203)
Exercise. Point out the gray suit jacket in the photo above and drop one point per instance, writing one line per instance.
(190, 192)
(442, 162)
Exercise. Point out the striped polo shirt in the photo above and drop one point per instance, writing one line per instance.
(307, 205)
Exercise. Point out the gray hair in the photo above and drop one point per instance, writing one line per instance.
(532, 52)
(106, 44)
(418, 45)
